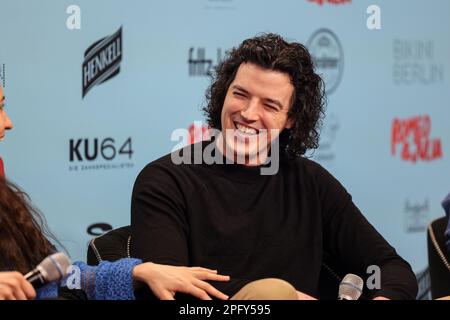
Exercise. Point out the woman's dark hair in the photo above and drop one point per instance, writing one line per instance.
(23, 231)
(272, 52)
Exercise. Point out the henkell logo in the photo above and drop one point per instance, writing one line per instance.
(413, 135)
(321, 2)
(102, 61)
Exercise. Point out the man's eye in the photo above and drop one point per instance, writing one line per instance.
(271, 107)
(239, 94)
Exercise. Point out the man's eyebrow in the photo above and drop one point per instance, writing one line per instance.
(235, 86)
(270, 100)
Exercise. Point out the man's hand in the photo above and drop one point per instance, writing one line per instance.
(13, 286)
(165, 280)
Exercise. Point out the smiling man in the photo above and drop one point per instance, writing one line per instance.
(254, 113)
(269, 232)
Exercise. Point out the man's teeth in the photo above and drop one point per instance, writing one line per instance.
(245, 129)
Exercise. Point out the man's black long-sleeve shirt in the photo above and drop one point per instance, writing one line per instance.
(252, 226)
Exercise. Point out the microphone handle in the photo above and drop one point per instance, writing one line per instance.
(36, 278)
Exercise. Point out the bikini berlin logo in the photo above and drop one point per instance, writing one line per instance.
(102, 61)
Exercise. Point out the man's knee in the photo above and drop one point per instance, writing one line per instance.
(267, 289)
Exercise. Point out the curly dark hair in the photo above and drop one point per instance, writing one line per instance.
(272, 52)
(23, 231)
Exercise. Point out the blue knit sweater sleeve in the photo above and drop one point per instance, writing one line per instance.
(49, 291)
(107, 281)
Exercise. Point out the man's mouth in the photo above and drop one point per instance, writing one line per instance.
(244, 129)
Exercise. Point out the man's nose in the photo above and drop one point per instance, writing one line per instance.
(250, 113)
(8, 123)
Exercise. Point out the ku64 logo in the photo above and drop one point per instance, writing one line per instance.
(93, 148)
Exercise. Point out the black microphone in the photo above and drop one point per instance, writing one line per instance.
(350, 287)
(52, 268)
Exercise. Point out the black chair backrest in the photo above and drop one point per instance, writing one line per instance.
(111, 246)
(438, 259)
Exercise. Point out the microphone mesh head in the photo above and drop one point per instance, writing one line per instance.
(55, 266)
(351, 287)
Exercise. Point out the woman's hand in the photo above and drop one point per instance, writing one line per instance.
(165, 280)
(13, 286)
